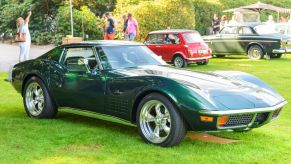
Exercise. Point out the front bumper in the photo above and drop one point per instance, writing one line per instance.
(244, 119)
(199, 58)
(281, 51)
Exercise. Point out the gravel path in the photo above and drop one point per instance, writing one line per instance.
(9, 54)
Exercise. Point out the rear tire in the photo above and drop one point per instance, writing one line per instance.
(159, 122)
(255, 52)
(205, 62)
(37, 101)
(180, 62)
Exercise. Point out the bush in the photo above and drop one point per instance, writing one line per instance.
(159, 14)
(84, 19)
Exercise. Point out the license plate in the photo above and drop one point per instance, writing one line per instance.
(202, 51)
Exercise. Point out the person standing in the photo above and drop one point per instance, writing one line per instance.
(215, 24)
(23, 29)
(233, 21)
(125, 23)
(109, 27)
(223, 22)
(132, 27)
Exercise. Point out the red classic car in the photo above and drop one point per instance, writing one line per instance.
(180, 47)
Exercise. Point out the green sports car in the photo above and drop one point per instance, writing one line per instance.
(128, 81)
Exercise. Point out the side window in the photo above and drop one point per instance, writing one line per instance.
(154, 39)
(103, 58)
(228, 30)
(55, 54)
(245, 31)
(81, 59)
(171, 39)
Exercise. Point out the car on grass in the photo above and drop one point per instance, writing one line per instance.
(254, 39)
(180, 47)
(126, 80)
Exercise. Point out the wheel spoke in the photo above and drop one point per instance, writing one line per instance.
(166, 115)
(39, 106)
(157, 131)
(166, 129)
(150, 118)
(158, 109)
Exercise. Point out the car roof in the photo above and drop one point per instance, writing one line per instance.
(105, 43)
(168, 31)
(248, 24)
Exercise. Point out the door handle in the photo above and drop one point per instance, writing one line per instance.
(158, 46)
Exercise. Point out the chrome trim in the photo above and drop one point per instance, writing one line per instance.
(281, 50)
(96, 115)
(243, 111)
(201, 58)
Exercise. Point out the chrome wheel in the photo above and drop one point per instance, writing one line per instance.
(179, 62)
(155, 121)
(255, 53)
(34, 99)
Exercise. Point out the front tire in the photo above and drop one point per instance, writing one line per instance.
(180, 62)
(37, 101)
(159, 122)
(255, 52)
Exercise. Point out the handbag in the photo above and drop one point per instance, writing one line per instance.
(20, 37)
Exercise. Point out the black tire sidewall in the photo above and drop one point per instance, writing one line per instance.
(178, 129)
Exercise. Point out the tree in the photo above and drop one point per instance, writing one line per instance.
(158, 14)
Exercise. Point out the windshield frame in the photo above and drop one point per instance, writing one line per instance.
(154, 56)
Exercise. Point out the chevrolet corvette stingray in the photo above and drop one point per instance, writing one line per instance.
(126, 80)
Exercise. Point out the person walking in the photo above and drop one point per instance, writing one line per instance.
(23, 29)
(109, 33)
(125, 23)
(132, 27)
(215, 24)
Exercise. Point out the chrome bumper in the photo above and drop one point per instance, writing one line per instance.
(244, 111)
(282, 51)
(201, 58)
(269, 113)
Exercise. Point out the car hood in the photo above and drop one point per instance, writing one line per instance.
(221, 91)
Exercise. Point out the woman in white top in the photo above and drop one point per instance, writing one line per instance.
(22, 27)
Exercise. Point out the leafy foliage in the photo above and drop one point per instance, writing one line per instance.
(158, 14)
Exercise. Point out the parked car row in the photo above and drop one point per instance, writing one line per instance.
(183, 47)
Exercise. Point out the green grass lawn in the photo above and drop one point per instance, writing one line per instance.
(76, 139)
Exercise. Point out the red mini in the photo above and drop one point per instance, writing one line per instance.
(180, 47)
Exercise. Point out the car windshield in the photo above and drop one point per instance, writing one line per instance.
(193, 38)
(265, 29)
(116, 57)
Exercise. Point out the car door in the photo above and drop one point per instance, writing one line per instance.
(155, 43)
(228, 40)
(171, 45)
(77, 80)
(246, 36)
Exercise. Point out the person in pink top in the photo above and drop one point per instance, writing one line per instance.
(132, 27)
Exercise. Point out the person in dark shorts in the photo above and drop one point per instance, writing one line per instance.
(215, 24)
(109, 32)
